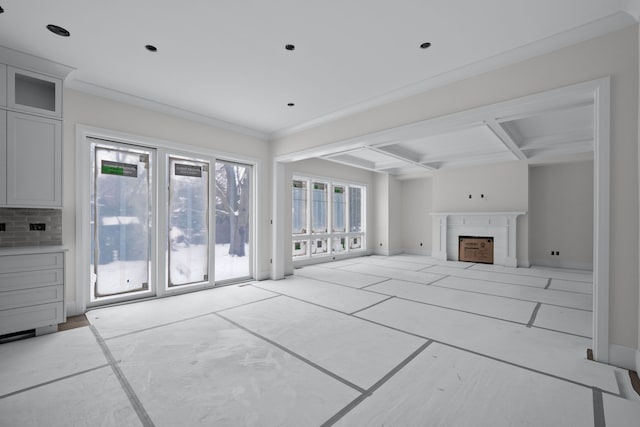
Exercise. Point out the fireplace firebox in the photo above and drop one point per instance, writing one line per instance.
(475, 249)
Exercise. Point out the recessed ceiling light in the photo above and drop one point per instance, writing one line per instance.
(290, 47)
(291, 104)
(59, 31)
(151, 48)
(425, 45)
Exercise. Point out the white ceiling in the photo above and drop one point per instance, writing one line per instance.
(226, 61)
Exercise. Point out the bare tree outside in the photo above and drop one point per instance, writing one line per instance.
(232, 206)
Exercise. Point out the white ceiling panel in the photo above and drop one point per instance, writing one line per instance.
(227, 59)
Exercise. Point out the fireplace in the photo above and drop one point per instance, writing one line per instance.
(475, 249)
(501, 226)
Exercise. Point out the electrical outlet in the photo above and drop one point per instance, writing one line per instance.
(39, 226)
(557, 252)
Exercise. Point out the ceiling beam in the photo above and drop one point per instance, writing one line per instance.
(353, 161)
(406, 158)
(548, 108)
(506, 139)
(551, 141)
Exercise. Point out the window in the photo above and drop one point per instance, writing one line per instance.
(355, 213)
(319, 207)
(335, 212)
(299, 219)
(339, 208)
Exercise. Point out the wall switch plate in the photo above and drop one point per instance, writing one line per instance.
(39, 226)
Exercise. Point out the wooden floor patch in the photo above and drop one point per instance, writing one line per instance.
(635, 381)
(74, 322)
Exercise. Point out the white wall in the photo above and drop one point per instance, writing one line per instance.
(416, 205)
(80, 108)
(561, 214)
(381, 217)
(505, 187)
(320, 168)
(615, 55)
(387, 233)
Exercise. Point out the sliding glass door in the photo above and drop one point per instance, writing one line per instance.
(233, 221)
(188, 216)
(121, 220)
(152, 239)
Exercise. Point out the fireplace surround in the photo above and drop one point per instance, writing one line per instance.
(502, 226)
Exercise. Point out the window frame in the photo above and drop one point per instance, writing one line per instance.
(328, 238)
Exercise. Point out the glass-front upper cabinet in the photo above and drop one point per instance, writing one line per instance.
(34, 93)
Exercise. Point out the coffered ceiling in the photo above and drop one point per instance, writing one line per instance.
(557, 126)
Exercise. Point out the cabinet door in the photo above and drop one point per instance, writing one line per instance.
(34, 161)
(3, 85)
(34, 93)
(3, 158)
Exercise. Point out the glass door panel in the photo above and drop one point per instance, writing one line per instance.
(121, 219)
(233, 219)
(188, 222)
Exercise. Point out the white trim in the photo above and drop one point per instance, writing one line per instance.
(83, 234)
(387, 252)
(572, 265)
(624, 357)
(601, 217)
(600, 27)
(304, 262)
(34, 63)
(280, 189)
(425, 252)
(138, 101)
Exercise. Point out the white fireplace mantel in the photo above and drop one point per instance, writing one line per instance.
(502, 226)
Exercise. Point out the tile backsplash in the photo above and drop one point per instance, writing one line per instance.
(18, 232)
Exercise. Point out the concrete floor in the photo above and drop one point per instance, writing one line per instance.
(395, 341)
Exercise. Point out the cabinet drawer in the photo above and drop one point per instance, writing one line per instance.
(25, 318)
(29, 297)
(17, 263)
(30, 279)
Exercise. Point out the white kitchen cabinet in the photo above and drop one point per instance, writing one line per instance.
(3, 158)
(31, 291)
(3, 85)
(33, 93)
(34, 161)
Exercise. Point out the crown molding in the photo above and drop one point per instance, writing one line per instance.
(600, 27)
(137, 101)
(34, 63)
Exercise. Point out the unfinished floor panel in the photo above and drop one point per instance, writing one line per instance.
(208, 372)
(447, 387)
(545, 351)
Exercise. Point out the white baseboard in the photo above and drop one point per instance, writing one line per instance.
(523, 263)
(263, 275)
(412, 251)
(573, 265)
(624, 357)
